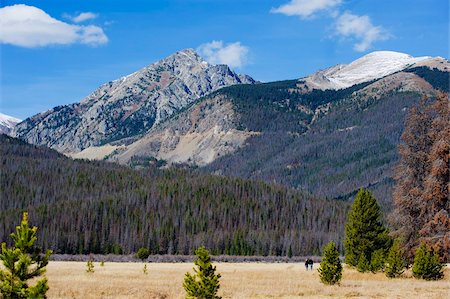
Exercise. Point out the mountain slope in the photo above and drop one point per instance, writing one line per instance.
(329, 142)
(100, 207)
(7, 123)
(198, 135)
(130, 105)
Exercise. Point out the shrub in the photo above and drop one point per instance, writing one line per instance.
(426, 264)
(330, 270)
(23, 262)
(90, 265)
(204, 283)
(395, 264)
(143, 253)
(145, 270)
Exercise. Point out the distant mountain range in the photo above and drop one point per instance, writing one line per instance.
(329, 133)
(7, 123)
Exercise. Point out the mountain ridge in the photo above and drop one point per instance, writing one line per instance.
(129, 105)
(374, 65)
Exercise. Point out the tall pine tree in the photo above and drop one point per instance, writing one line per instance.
(364, 230)
(421, 194)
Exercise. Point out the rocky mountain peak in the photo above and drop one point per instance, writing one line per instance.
(130, 105)
(184, 59)
(186, 54)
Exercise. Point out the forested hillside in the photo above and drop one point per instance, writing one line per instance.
(328, 142)
(331, 151)
(101, 207)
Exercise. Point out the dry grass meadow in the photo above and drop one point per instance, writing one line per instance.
(239, 280)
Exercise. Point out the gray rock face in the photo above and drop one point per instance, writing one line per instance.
(130, 105)
(198, 135)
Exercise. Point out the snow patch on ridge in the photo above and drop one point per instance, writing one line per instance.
(369, 67)
(7, 123)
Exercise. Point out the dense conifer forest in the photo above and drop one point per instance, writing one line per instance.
(438, 79)
(100, 207)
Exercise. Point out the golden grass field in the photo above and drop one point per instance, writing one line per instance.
(239, 280)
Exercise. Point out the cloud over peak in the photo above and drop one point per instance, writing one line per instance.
(358, 28)
(28, 26)
(216, 52)
(305, 8)
(361, 28)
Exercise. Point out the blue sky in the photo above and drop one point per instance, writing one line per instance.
(74, 46)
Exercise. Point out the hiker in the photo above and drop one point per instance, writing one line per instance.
(311, 263)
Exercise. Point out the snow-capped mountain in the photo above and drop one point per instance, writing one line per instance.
(130, 105)
(369, 67)
(7, 123)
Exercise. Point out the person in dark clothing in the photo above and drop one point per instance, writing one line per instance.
(311, 263)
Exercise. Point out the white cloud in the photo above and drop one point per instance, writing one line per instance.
(356, 27)
(215, 52)
(84, 16)
(305, 8)
(360, 28)
(29, 26)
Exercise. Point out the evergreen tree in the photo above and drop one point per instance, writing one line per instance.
(90, 265)
(23, 262)
(395, 264)
(145, 270)
(330, 270)
(363, 263)
(364, 231)
(204, 284)
(426, 264)
(378, 261)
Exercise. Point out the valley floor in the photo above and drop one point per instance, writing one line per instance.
(239, 280)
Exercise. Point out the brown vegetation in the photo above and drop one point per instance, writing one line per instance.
(421, 196)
